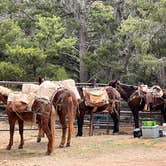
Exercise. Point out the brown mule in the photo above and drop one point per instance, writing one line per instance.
(45, 114)
(65, 103)
(4, 92)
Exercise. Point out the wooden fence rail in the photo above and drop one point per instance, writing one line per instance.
(17, 83)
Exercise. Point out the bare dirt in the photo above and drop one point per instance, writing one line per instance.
(98, 150)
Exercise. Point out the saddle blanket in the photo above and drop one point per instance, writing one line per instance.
(19, 100)
(95, 96)
(70, 84)
(30, 88)
(5, 91)
(48, 88)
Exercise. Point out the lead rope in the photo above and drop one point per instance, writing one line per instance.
(19, 116)
(14, 110)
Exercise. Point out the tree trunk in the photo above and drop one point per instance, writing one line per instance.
(83, 50)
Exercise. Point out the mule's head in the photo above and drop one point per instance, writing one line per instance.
(114, 83)
(124, 89)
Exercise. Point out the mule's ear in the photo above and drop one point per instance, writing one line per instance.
(117, 82)
(40, 80)
(113, 83)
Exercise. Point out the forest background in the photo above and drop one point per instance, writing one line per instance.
(83, 40)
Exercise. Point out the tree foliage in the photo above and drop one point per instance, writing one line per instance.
(113, 39)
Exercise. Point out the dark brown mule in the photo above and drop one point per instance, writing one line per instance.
(65, 103)
(113, 107)
(45, 113)
(136, 101)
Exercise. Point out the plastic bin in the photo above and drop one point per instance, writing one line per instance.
(150, 131)
(149, 123)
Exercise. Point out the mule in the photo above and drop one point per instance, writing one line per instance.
(113, 108)
(12, 117)
(136, 100)
(65, 104)
(44, 113)
(4, 92)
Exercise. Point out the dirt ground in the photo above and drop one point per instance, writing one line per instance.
(100, 149)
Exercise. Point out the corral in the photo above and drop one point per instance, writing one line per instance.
(100, 149)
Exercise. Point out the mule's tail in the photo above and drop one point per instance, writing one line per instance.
(52, 124)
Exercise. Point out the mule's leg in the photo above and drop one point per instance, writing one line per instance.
(115, 118)
(62, 118)
(21, 128)
(136, 118)
(80, 122)
(40, 132)
(163, 111)
(12, 121)
(70, 126)
(47, 131)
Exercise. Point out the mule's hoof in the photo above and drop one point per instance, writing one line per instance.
(48, 153)
(38, 140)
(61, 146)
(117, 133)
(68, 145)
(79, 135)
(8, 147)
(20, 147)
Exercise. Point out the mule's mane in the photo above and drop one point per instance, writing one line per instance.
(5, 91)
(126, 90)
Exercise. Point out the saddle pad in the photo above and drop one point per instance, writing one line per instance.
(70, 84)
(48, 88)
(5, 91)
(16, 98)
(30, 88)
(95, 96)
